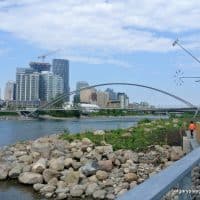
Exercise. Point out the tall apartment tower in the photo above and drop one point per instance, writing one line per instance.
(60, 67)
(51, 85)
(39, 66)
(27, 84)
(10, 91)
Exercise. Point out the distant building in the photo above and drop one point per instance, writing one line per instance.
(51, 86)
(39, 66)
(60, 67)
(86, 95)
(102, 99)
(124, 100)
(112, 94)
(79, 85)
(27, 84)
(10, 91)
(113, 104)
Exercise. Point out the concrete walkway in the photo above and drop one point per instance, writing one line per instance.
(193, 141)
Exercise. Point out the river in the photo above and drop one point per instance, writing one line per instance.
(12, 131)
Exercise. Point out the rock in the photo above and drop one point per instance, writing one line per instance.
(99, 132)
(77, 154)
(68, 162)
(48, 195)
(77, 191)
(61, 196)
(42, 146)
(130, 177)
(110, 196)
(40, 165)
(38, 186)
(30, 178)
(126, 135)
(62, 190)
(61, 185)
(91, 187)
(176, 153)
(27, 168)
(72, 178)
(86, 141)
(101, 175)
(99, 194)
(130, 155)
(122, 192)
(53, 181)
(47, 189)
(57, 164)
(105, 165)
(48, 174)
(57, 154)
(90, 168)
(3, 171)
(15, 172)
(76, 165)
(133, 184)
(20, 153)
(26, 159)
(104, 149)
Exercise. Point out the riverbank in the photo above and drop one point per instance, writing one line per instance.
(61, 168)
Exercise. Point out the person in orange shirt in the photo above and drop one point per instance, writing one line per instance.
(192, 127)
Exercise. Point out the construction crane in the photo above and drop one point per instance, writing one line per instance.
(42, 57)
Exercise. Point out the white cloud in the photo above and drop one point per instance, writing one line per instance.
(119, 26)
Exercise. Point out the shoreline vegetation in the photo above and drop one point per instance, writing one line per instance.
(95, 165)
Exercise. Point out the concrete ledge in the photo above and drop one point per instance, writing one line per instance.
(157, 186)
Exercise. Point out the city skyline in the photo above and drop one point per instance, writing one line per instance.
(114, 41)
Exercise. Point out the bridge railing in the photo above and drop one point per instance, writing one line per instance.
(164, 185)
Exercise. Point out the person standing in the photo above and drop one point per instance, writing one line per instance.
(192, 127)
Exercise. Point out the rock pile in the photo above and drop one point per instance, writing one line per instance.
(60, 169)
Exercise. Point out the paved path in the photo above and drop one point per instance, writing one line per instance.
(193, 141)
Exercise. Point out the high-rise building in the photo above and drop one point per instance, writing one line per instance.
(27, 84)
(51, 86)
(124, 100)
(112, 94)
(61, 68)
(102, 99)
(39, 66)
(10, 91)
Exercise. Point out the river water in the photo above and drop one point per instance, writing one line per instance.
(12, 131)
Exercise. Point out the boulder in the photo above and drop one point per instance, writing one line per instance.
(101, 175)
(176, 153)
(38, 186)
(130, 177)
(91, 189)
(72, 178)
(57, 164)
(61, 196)
(47, 189)
(42, 146)
(26, 159)
(105, 165)
(68, 162)
(99, 194)
(90, 168)
(3, 171)
(77, 191)
(104, 149)
(48, 174)
(40, 165)
(30, 178)
(77, 154)
(15, 172)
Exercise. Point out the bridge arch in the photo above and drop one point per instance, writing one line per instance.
(59, 98)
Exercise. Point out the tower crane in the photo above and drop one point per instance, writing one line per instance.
(42, 57)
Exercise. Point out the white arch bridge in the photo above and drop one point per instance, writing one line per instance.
(62, 96)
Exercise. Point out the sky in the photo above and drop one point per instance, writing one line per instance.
(107, 41)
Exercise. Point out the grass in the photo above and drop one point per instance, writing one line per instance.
(138, 138)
